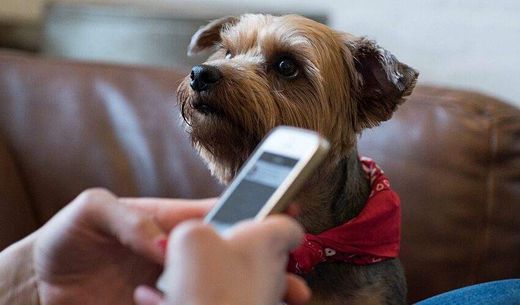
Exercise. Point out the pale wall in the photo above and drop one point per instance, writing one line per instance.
(471, 44)
(20, 9)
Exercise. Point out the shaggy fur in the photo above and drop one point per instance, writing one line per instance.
(344, 84)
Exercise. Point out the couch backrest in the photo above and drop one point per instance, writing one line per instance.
(453, 156)
(67, 126)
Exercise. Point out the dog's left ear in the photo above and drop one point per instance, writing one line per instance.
(384, 82)
(208, 35)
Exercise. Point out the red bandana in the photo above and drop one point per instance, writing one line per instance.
(370, 237)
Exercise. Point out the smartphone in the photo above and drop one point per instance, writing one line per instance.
(265, 184)
(270, 177)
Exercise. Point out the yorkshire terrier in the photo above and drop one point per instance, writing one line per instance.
(289, 70)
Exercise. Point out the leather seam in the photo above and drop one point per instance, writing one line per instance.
(23, 182)
(490, 196)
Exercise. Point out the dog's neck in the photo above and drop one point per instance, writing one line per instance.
(336, 194)
(355, 189)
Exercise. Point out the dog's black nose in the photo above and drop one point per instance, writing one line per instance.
(204, 77)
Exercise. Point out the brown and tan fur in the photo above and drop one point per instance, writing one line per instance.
(344, 84)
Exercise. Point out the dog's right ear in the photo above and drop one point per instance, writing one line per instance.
(208, 35)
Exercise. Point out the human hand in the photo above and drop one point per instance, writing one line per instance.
(99, 248)
(247, 266)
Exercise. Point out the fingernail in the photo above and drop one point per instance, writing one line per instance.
(293, 210)
(162, 243)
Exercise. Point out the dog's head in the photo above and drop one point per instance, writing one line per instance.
(290, 70)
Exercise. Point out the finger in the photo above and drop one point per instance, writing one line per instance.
(139, 231)
(132, 228)
(278, 232)
(144, 295)
(192, 245)
(298, 292)
(170, 212)
(192, 234)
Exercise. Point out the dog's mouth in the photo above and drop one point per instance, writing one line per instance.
(206, 107)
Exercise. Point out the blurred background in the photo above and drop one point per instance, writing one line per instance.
(463, 44)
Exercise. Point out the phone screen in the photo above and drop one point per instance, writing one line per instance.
(258, 185)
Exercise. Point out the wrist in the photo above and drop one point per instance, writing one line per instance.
(18, 281)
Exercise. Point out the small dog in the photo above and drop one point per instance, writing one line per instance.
(267, 71)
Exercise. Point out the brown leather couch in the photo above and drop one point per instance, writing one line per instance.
(453, 156)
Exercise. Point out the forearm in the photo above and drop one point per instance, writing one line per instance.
(17, 277)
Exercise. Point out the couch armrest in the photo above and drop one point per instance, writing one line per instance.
(453, 157)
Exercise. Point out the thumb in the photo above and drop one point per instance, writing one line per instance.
(277, 232)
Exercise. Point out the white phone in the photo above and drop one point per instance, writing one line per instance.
(265, 184)
(270, 177)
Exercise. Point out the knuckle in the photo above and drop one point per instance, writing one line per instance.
(95, 195)
(90, 202)
(191, 232)
(138, 223)
(131, 228)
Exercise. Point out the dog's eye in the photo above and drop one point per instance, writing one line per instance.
(228, 54)
(287, 67)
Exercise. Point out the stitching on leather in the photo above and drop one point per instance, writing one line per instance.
(34, 212)
(490, 192)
